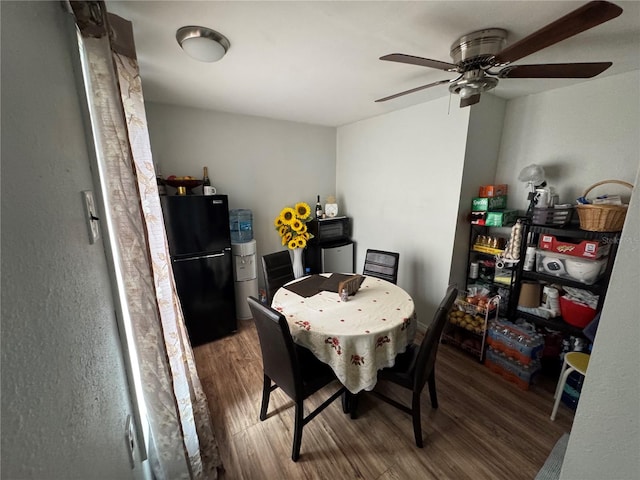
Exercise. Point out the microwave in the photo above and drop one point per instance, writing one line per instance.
(326, 230)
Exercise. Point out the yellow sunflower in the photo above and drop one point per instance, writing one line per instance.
(303, 210)
(297, 225)
(291, 225)
(287, 215)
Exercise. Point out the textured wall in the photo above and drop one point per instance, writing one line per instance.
(580, 135)
(262, 164)
(64, 392)
(605, 438)
(400, 176)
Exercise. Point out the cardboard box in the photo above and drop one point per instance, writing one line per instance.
(492, 190)
(479, 204)
(585, 248)
(478, 218)
(501, 218)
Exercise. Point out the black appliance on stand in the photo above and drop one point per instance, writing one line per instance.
(331, 248)
(200, 247)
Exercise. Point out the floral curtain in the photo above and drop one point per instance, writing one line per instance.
(181, 442)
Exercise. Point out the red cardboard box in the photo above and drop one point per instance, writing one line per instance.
(585, 249)
(492, 190)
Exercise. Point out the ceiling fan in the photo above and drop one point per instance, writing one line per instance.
(476, 54)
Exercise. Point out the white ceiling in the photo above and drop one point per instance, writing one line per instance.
(318, 62)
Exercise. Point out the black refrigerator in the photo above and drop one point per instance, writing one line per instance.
(200, 247)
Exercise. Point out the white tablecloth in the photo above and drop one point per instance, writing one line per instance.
(356, 338)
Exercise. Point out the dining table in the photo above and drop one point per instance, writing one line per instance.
(357, 337)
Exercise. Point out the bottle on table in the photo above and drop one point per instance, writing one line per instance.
(344, 296)
(318, 208)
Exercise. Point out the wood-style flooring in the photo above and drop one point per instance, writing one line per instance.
(484, 428)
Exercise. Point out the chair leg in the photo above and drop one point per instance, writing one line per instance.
(564, 367)
(417, 421)
(353, 405)
(432, 389)
(559, 389)
(346, 401)
(297, 431)
(266, 393)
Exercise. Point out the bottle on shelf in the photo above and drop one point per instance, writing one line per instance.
(162, 188)
(318, 208)
(206, 183)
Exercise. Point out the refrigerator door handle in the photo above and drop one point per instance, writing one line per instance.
(214, 255)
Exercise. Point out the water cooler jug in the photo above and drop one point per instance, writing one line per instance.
(245, 273)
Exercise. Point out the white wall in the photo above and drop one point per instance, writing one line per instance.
(605, 438)
(64, 391)
(580, 135)
(481, 158)
(399, 177)
(262, 164)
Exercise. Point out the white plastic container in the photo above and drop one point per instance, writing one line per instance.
(581, 270)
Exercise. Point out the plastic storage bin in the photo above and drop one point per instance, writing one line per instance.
(241, 225)
(576, 314)
(582, 270)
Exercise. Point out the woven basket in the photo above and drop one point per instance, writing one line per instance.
(602, 218)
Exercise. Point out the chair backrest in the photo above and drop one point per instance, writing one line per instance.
(426, 357)
(278, 270)
(381, 264)
(279, 357)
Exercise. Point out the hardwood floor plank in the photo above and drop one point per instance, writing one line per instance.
(484, 428)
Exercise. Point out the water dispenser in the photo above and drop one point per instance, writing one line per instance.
(241, 225)
(245, 270)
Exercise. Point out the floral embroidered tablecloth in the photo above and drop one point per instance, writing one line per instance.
(356, 338)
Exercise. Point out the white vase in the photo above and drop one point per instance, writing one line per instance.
(298, 269)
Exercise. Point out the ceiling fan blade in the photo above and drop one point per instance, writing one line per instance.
(555, 70)
(472, 100)
(584, 18)
(423, 62)
(417, 89)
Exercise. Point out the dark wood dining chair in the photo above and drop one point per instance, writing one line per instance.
(278, 270)
(381, 264)
(416, 366)
(291, 367)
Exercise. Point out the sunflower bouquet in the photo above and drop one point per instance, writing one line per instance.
(291, 225)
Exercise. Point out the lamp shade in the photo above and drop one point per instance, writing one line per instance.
(202, 43)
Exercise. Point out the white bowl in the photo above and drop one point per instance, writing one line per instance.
(585, 271)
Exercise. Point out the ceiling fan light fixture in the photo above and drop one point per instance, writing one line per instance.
(466, 92)
(202, 43)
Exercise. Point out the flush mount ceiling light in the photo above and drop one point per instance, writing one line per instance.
(202, 43)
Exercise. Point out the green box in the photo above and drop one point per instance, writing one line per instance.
(501, 218)
(481, 204)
